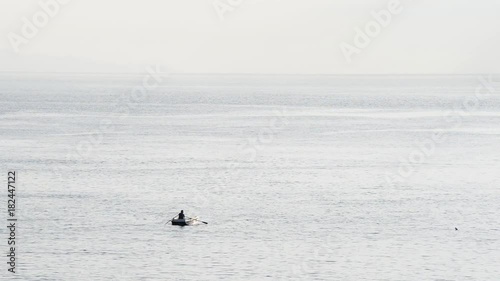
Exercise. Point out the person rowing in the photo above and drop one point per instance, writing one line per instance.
(180, 219)
(181, 215)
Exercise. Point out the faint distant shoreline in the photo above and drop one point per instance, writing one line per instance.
(252, 74)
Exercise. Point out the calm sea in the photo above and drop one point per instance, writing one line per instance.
(299, 177)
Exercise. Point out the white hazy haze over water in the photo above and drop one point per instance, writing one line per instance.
(292, 36)
(320, 139)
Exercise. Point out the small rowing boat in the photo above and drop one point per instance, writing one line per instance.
(181, 222)
(188, 221)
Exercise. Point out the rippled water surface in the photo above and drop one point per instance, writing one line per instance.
(298, 177)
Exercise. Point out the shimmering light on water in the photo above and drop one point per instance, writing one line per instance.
(289, 171)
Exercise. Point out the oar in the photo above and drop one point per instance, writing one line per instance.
(170, 220)
(198, 220)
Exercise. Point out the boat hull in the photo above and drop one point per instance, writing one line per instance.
(181, 222)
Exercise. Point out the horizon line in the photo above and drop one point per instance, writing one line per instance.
(247, 73)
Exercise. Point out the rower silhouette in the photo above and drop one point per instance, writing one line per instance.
(181, 215)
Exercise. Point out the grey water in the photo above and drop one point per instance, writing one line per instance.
(299, 177)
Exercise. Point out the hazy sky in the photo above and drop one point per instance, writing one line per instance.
(256, 36)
